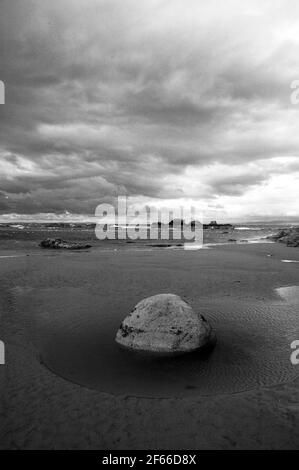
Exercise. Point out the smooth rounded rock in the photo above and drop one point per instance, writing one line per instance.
(164, 324)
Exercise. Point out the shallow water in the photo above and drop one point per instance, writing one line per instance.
(289, 293)
(74, 332)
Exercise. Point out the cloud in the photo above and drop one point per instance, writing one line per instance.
(153, 99)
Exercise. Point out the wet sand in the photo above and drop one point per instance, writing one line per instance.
(44, 410)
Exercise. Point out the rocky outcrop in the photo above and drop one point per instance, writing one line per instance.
(58, 243)
(180, 223)
(164, 324)
(214, 225)
(289, 236)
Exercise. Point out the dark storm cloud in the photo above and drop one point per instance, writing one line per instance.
(112, 97)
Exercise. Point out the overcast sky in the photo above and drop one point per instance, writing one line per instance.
(168, 101)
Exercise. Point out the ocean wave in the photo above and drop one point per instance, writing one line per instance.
(248, 228)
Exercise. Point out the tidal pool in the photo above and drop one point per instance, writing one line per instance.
(74, 330)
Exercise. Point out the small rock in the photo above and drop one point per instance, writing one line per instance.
(161, 245)
(164, 324)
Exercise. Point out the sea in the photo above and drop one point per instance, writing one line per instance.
(28, 235)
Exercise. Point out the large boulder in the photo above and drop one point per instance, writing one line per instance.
(58, 243)
(164, 324)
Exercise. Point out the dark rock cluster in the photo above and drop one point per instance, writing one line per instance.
(58, 243)
(289, 236)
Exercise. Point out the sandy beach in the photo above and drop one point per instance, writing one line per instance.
(48, 297)
(149, 229)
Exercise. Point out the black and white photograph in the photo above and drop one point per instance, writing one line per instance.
(149, 228)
